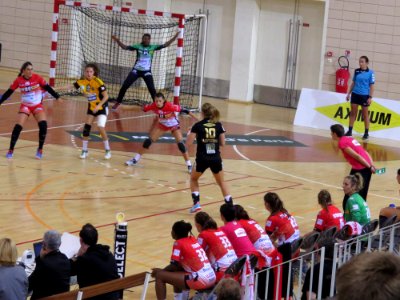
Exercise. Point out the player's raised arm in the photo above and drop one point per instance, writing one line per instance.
(121, 44)
(168, 43)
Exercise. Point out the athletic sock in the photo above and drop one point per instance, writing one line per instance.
(366, 131)
(137, 157)
(185, 294)
(177, 296)
(350, 129)
(196, 197)
(106, 145)
(188, 163)
(228, 199)
(85, 145)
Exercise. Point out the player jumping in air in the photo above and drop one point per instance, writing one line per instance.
(142, 67)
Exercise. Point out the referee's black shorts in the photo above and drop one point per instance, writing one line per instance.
(215, 165)
(359, 99)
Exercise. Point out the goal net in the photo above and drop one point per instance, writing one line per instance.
(82, 34)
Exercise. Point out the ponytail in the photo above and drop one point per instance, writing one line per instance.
(356, 181)
(181, 229)
(275, 203)
(241, 213)
(205, 221)
(23, 67)
(324, 199)
(210, 112)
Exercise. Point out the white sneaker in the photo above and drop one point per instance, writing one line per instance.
(131, 162)
(84, 154)
(108, 154)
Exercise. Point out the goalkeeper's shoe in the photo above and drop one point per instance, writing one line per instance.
(115, 106)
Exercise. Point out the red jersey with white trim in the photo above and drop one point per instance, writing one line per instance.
(166, 114)
(330, 218)
(283, 226)
(190, 255)
(257, 235)
(218, 248)
(31, 89)
(238, 238)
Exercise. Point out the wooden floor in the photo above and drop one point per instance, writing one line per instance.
(63, 192)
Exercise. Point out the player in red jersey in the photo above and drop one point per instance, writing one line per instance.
(329, 215)
(32, 87)
(167, 121)
(218, 248)
(283, 227)
(189, 267)
(256, 234)
(262, 242)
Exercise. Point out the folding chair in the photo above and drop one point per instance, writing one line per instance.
(343, 234)
(389, 221)
(328, 234)
(370, 226)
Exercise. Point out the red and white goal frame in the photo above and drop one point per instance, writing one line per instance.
(179, 50)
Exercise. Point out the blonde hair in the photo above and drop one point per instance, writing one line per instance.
(210, 112)
(356, 181)
(8, 252)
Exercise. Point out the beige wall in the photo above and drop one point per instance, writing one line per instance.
(366, 27)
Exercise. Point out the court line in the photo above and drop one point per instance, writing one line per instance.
(292, 175)
(171, 211)
(29, 195)
(80, 124)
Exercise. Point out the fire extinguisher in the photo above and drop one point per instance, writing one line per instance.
(342, 76)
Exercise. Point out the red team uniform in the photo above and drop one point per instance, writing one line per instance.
(31, 93)
(330, 218)
(284, 226)
(188, 253)
(238, 238)
(260, 240)
(167, 119)
(219, 250)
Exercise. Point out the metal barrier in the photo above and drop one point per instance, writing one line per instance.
(386, 239)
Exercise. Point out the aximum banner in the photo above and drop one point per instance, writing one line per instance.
(321, 109)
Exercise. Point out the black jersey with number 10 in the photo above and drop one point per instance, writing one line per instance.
(207, 137)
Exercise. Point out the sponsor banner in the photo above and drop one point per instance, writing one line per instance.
(321, 109)
(249, 140)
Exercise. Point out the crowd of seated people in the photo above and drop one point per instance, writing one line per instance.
(93, 264)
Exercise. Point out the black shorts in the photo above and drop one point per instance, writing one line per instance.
(103, 111)
(359, 99)
(214, 165)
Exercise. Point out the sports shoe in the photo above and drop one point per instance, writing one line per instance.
(195, 208)
(115, 106)
(365, 137)
(131, 162)
(39, 154)
(10, 154)
(84, 154)
(190, 169)
(108, 154)
(348, 133)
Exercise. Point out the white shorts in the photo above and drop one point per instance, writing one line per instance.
(101, 120)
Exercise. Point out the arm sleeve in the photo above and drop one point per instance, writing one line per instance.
(372, 79)
(132, 47)
(6, 95)
(76, 85)
(52, 92)
(159, 47)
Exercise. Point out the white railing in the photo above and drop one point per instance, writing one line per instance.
(386, 239)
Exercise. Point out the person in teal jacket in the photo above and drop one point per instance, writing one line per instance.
(142, 66)
(356, 208)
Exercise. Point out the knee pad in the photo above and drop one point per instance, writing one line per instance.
(182, 147)
(42, 127)
(147, 143)
(86, 130)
